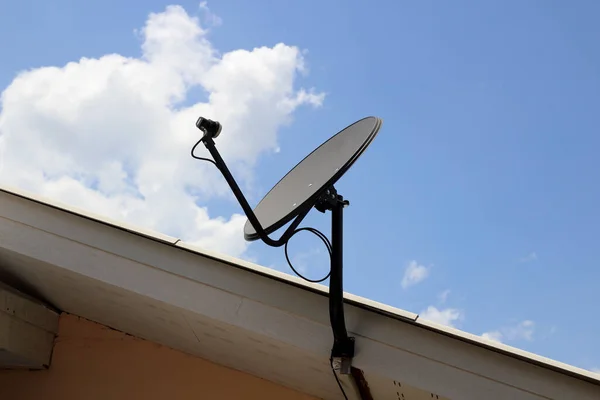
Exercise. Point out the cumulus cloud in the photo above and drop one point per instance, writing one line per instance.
(447, 316)
(413, 274)
(524, 330)
(113, 134)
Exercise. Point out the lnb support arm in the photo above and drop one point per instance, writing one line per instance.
(210, 146)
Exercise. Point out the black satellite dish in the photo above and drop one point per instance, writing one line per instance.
(309, 184)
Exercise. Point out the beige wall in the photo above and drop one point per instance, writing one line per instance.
(91, 361)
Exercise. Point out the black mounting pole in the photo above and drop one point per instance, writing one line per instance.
(343, 346)
(336, 286)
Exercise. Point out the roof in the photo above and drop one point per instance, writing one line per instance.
(252, 318)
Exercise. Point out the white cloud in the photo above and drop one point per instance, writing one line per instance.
(443, 296)
(413, 274)
(209, 17)
(524, 330)
(529, 257)
(493, 335)
(448, 316)
(113, 134)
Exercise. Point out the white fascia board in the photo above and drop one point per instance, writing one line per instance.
(388, 345)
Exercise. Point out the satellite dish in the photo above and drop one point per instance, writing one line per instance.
(309, 184)
(312, 176)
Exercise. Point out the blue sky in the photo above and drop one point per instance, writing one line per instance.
(484, 179)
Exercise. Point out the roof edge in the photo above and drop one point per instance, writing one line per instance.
(149, 233)
(350, 299)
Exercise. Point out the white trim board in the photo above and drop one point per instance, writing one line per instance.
(120, 266)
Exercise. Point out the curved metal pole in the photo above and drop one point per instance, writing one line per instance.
(210, 145)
